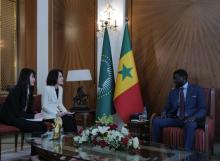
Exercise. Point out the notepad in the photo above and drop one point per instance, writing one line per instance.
(38, 119)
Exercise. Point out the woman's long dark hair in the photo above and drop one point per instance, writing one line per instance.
(23, 84)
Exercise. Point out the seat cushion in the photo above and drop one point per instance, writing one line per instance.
(6, 129)
(173, 136)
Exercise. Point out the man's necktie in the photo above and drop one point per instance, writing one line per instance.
(182, 104)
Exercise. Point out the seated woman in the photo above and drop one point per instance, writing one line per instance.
(18, 106)
(52, 104)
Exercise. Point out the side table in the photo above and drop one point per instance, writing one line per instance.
(141, 129)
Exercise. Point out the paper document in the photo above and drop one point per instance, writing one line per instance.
(70, 113)
(38, 119)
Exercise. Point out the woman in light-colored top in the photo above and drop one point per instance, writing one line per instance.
(52, 104)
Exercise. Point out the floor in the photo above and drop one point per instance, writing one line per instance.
(16, 156)
(216, 156)
(8, 150)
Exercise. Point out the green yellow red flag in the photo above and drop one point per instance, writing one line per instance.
(127, 96)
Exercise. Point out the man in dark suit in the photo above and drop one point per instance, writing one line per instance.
(185, 108)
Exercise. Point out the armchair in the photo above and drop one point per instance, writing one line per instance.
(6, 129)
(204, 137)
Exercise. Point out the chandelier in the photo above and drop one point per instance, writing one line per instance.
(107, 19)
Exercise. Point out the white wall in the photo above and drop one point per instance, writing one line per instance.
(115, 37)
(42, 44)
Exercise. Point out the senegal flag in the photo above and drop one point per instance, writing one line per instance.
(105, 105)
(127, 96)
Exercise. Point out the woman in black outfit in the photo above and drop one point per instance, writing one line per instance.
(18, 106)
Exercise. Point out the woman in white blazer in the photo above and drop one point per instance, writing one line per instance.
(52, 104)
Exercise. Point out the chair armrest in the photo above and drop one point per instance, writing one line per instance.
(151, 119)
(209, 133)
(209, 124)
(37, 103)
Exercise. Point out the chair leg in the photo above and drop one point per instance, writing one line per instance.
(16, 142)
(0, 147)
(22, 140)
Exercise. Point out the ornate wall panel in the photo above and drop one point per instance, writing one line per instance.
(171, 34)
(72, 42)
(8, 44)
(22, 52)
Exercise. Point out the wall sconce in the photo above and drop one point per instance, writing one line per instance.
(1, 44)
(107, 19)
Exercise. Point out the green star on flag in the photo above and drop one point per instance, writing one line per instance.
(127, 88)
(126, 72)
